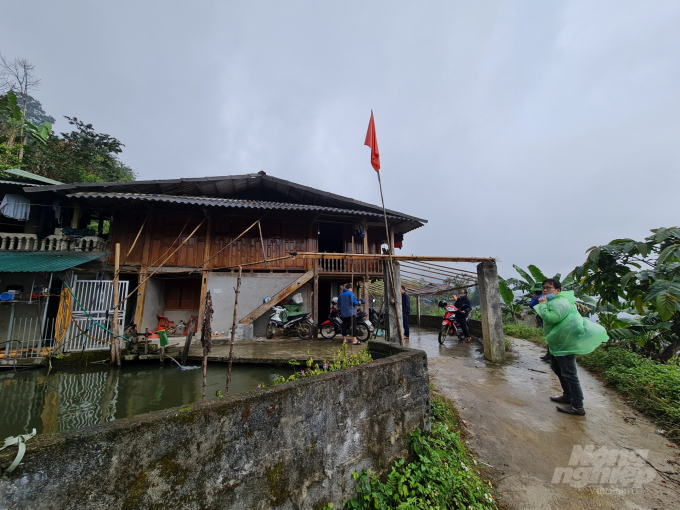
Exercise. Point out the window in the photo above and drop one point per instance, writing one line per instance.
(182, 294)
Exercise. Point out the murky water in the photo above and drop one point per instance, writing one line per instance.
(72, 398)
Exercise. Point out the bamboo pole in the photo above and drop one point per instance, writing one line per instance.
(115, 342)
(233, 330)
(206, 336)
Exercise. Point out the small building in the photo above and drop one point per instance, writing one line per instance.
(38, 251)
(192, 234)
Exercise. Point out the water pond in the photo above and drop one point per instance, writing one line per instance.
(71, 398)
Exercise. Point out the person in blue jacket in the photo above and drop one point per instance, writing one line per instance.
(347, 301)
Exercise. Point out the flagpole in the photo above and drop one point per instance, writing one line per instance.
(389, 266)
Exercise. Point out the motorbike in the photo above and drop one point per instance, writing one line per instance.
(450, 326)
(333, 326)
(300, 324)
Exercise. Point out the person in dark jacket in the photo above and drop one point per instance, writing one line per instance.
(347, 301)
(405, 310)
(464, 308)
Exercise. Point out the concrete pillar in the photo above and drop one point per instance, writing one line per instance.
(490, 307)
(393, 308)
(418, 308)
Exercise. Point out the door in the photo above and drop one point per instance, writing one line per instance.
(92, 310)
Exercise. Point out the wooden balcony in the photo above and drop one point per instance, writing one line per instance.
(374, 268)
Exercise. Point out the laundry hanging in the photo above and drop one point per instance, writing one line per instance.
(16, 207)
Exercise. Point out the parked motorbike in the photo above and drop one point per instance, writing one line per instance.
(333, 326)
(299, 325)
(450, 326)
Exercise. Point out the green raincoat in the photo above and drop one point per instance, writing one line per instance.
(566, 332)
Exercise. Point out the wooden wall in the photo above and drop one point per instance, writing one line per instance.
(280, 237)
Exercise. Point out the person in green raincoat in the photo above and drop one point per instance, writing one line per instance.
(567, 334)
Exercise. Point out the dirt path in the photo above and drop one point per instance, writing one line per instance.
(517, 430)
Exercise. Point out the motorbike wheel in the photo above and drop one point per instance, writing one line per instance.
(461, 337)
(328, 331)
(362, 332)
(443, 333)
(304, 330)
(270, 331)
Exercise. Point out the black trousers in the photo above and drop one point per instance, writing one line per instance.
(565, 369)
(347, 326)
(462, 322)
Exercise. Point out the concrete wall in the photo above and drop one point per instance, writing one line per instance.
(291, 446)
(254, 288)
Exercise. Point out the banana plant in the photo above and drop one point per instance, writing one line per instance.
(13, 117)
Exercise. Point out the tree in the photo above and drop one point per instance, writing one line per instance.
(83, 155)
(18, 75)
(13, 122)
(642, 277)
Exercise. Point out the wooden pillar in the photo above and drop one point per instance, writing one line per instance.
(392, 241)
(418, 308)
(76, 217)
(366, 262)
(115, 328)
(204, 273)
(143, 271)
(316, 292)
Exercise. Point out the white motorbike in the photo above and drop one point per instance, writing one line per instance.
(285, 323)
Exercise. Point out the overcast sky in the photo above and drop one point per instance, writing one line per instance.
(528, 131)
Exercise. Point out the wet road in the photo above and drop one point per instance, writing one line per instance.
(517, 430)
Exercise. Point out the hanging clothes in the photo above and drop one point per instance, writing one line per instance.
(16, 207)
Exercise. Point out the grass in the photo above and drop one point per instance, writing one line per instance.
(650, 387)
(443, 474)
(524, 331)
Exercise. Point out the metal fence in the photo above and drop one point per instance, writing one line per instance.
(96, 297)
(28, 338)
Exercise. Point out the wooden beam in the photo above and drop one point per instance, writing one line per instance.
(376, 256)
(276, 298)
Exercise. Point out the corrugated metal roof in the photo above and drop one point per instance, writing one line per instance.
(226, 187)
(226, 202)
(44, 261)
(32, 176)
(23, 183)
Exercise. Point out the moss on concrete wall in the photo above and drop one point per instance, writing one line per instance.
(290, 446)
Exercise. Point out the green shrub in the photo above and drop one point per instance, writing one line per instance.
(342, 360)
(524, 331)
(443, 475)
(650, 387)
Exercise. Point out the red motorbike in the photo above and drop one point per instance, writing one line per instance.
(450, 326)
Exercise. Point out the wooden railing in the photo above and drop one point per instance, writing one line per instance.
(350, 266)
(30, 242)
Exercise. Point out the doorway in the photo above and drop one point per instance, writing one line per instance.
(324, 300)
(331, 237)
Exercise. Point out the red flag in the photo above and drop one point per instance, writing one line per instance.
(372, 142)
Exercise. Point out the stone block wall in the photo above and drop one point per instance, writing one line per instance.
(291, 446)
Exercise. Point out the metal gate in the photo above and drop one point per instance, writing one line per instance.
(95, 296)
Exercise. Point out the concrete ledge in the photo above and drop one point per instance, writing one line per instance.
(291, 446)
